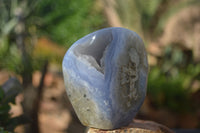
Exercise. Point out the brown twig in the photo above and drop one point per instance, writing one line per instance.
(162, 8)
(34, 124)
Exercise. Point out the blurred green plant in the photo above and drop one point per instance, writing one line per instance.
(22, 22)
(148, 18)
(165, 91)
(66, 21)
(170, 82)
(15, 39)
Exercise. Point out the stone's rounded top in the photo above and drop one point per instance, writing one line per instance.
(105, 75)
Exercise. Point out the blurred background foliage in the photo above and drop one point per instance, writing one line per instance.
(33, 32)
(66, 21)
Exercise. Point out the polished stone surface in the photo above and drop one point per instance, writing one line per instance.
(105, 75)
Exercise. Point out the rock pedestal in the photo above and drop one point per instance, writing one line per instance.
(137, 126)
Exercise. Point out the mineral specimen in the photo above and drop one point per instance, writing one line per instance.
(105, 75)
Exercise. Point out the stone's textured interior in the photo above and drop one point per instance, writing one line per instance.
(105, 74)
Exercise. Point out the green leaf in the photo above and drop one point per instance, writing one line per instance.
(9, 26)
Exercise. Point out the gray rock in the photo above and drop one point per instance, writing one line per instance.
(105, 75)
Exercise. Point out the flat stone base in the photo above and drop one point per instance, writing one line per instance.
(137, 126)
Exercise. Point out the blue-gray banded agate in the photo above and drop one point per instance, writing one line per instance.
(105, 75)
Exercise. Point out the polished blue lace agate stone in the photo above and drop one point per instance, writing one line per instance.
(105, 75)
